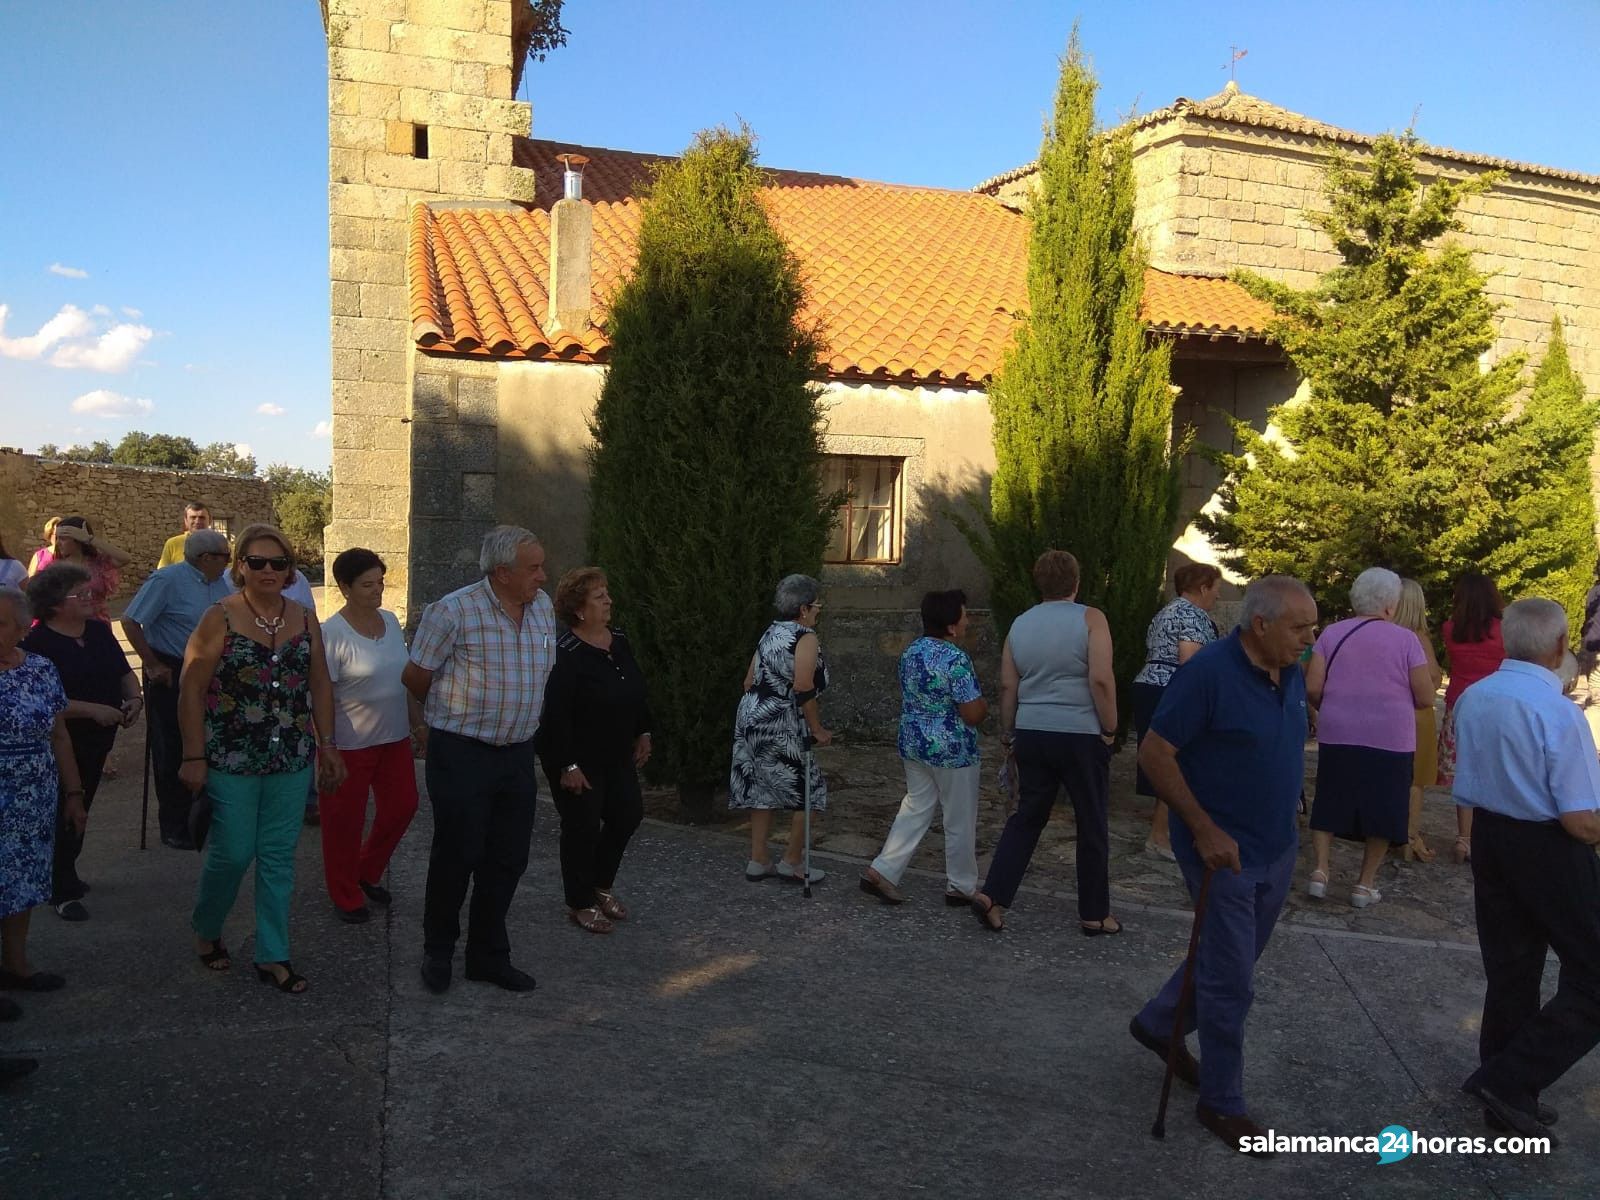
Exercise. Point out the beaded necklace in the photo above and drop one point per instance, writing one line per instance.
(271, 626)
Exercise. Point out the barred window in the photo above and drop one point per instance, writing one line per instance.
(869, 522)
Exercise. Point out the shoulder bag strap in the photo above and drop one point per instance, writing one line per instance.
(1327, 669)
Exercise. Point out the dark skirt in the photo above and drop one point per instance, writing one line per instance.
(1146, 696)
(1363, 793)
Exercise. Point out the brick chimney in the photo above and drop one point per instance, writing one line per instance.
(571, 245)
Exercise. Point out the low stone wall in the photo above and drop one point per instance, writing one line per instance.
(135, 508)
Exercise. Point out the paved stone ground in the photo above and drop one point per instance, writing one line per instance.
(736, 1039)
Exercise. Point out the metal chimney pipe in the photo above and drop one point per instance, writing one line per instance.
(572, 177)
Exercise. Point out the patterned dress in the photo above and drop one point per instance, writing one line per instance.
(31, 696)
(769, 732)
(258, 708)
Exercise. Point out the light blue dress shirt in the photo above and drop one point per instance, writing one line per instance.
(170, 604)
(1524, 750)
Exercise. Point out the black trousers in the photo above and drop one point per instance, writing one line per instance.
(1046, 762)
(166, 752)
(483, 803)
(91, 744)
(1536, 889)
(595, 828)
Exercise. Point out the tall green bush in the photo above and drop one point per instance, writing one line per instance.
(706, 483)
(1082, 405)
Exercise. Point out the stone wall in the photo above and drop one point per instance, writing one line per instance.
(862, 648)
(135, 508)
(1214, 198)
(394, 67)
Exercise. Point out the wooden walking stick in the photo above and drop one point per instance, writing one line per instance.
(1185, 991)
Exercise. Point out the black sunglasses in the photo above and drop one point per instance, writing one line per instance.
(259, 562)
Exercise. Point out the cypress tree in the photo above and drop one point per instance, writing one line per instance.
(706, 481)
(1554, 552)
(1404, 452)
(1082, 404)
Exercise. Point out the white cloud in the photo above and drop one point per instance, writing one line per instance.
(100, 310)
(243, 450)
(132, 314)
(109, 404)
(114, 350)
(271, 410)
(68, 272)
(70, 322)
(322, 430)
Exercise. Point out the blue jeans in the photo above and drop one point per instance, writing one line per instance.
(1241, 911)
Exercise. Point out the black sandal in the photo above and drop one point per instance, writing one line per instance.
(216, 958)
(291, 983)
(982, 906)
(1099, 928)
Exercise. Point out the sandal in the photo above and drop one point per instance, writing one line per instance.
(1317, 885)
(291, 983)
(1362, 896)
(1097, 928)
(1419, 849)
(1463, 850)
(610, 905)
(591, 919)
(983, 909)
(216, 958)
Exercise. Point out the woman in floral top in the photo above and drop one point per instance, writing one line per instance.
(942, 706)
(256, 709)
(1176, 632)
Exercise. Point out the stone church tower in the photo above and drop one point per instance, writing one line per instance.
(420, 109)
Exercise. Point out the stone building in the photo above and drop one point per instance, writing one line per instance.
(136, 508)
(469, 304)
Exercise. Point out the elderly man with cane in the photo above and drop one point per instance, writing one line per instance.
(1226, 752)
(158, 622)
(1525, 760)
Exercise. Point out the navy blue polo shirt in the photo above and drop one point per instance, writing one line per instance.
(1241, 746)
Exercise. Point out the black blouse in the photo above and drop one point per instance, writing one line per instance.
(91, 670)
(594, 706)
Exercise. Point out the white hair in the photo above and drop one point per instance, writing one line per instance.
(500, 546)
(794, 593)
(1530, 628)
(1374, 590)
(204, 541)
(21, 610)
(1268, 598)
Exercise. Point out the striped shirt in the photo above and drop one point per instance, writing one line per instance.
(488, 672)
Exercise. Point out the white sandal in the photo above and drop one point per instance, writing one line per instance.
(1362, 896)
(1317, 887)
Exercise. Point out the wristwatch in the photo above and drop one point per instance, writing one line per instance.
(570, 769)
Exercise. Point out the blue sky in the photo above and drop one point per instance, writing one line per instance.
(164, 261)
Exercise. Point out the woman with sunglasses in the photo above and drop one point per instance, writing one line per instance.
(256, 709)
(102, 697)
(75, 542)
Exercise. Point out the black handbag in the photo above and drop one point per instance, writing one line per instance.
(200, 819)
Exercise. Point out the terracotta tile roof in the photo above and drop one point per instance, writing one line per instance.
(1233, 107)
(911, 285)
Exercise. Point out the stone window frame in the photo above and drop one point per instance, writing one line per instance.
(913, 462)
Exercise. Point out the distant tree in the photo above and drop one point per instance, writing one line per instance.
(137, 449)
(302, 503)
(1082, 404)
(1554, 519)
(223, 458)
(98, 452)
(706, 473)
(1405, 452)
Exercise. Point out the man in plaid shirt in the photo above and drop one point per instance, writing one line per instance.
(479, 661)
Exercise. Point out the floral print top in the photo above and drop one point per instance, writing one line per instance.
(936, 678)
(258, 707)
(1181, 621)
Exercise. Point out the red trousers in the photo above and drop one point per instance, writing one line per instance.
(387, 772)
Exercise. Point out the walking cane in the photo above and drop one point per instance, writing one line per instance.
(1185, 991)
(805, 866)
(144, 808)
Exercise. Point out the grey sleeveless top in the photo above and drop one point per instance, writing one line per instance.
(1050, 645)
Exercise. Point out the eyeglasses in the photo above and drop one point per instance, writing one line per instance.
(258, 562)
(85, 594)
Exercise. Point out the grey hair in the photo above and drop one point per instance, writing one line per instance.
(1529, 628)
(1268, 598)
(1374, 590)
(48, 589)
(794, 593)
(500, 546)
(204, 541)
(20, 608)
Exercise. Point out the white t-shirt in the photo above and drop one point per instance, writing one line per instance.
(369, 701)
